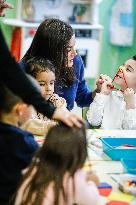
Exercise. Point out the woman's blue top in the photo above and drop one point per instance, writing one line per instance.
(78, 92)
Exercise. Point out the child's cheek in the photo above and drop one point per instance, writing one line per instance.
(26, 114)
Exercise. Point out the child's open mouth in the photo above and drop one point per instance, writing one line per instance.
(118, 76)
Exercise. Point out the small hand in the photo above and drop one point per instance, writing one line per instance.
(129, 98)
(53, 98)
(4, 6)
(101, 80)
(57, 101)
(106, 87)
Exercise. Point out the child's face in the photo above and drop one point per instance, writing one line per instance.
(129, 70)
(46, 81)
(71, 51)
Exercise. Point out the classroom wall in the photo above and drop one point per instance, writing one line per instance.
(113, 56)
(10, 13)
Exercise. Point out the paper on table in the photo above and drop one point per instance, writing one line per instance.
(120, 197)
(117, 203)
(113, 133)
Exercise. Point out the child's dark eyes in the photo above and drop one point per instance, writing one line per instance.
(42, 84)
(127, 69)
(52, 83)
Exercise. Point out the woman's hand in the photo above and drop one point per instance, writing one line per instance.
(129, 98)
(67, 117)
(3, 6)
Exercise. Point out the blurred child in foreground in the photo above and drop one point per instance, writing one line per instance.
(55, 176)
(17, 147)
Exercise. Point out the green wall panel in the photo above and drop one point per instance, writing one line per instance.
(113, 56)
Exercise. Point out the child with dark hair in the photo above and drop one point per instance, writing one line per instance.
(55, 176)
(44, 72)
(17, 147)
(116, 109)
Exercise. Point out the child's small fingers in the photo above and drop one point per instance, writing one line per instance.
(100, 81)
(129, 90)
(109, 84)
(52, 98)
(107, 78)
(101, 75)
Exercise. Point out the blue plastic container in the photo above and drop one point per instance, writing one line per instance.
(110, 147)
(129, 165)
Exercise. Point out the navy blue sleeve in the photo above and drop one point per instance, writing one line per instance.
(15, 79)
(83, 96)
(25, 147)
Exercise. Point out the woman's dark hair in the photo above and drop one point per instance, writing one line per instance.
(50, 42)
(64, 150)
(134, 57)
(37, 65)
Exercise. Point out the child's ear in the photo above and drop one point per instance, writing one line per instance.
(23, 112)
(19, 108)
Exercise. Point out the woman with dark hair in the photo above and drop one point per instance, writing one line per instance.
(55, 176)
(55, 40)
(15, 79)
